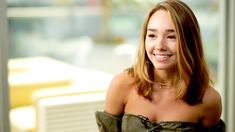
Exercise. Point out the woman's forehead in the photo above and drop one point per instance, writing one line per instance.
(160, 21)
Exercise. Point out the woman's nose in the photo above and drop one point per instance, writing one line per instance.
(160, 44)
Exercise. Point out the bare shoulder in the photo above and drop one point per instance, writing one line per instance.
(212, 107)
(117, 93)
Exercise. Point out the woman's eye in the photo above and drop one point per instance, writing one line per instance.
(151, 35)
(171, 37)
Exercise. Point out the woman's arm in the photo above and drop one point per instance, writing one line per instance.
(117, 94)
(212, 108)
(111, 119)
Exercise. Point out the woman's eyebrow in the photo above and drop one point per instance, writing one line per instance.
(155, 30)
(152, 29)
(170, 30)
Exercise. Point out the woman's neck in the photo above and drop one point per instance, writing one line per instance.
(164, 76)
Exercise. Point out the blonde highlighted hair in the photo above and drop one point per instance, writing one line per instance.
(192, 72)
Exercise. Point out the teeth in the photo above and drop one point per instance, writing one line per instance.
(162, 57)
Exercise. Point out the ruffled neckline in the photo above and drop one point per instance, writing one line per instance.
(161, 125)
(130, 122)
(159, 122)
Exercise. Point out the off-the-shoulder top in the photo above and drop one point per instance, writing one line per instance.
(137, 123)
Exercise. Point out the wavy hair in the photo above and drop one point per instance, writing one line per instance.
(192, 71)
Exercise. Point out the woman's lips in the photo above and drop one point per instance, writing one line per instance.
(162, 57)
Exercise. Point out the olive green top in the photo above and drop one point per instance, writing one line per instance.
(133, 123)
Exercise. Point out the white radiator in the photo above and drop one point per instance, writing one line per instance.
(73, 113)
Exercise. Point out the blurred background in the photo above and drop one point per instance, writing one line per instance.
(61, 48)
(96, 34)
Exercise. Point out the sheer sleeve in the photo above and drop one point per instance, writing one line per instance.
(107, 122)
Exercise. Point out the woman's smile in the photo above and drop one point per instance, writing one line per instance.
(162, 57)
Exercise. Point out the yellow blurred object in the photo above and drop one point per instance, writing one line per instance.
(22, 119)
(32, 118)
(29, 74)
(40, 79)
(62, 2)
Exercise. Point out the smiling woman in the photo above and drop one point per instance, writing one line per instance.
(168, 87)
(160, 42)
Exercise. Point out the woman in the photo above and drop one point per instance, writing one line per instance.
(168, 88)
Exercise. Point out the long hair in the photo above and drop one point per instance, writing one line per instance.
(192, 72)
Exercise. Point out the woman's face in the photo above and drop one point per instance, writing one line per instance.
(160, 42)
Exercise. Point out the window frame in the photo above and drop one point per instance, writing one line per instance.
(227, 62)
(4, 94)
